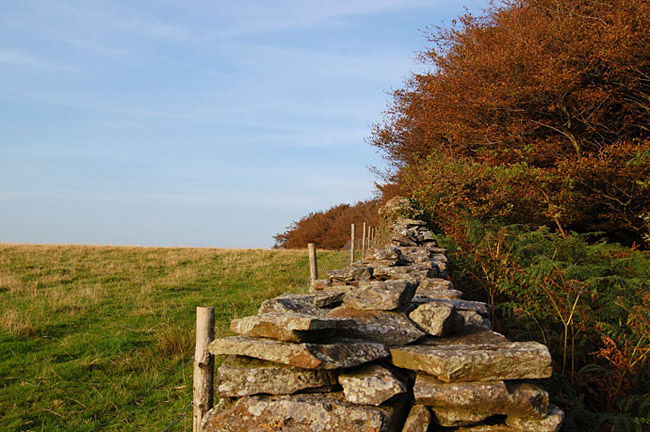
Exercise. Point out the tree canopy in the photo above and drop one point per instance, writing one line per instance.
(537, 113)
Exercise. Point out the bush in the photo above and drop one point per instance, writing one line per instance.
(588, 302)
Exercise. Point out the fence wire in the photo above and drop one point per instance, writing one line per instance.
(179, 417)
(327, 260)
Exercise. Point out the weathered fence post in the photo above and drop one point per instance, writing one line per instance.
(313, 266)
(203, 366)
(363, 241)
(352, 246)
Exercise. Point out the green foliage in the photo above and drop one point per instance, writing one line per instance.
(588, 302)
(607, 192)
(93, 336)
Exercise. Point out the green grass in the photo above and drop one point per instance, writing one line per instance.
(102, 337)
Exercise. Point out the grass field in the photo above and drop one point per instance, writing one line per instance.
(101, 338)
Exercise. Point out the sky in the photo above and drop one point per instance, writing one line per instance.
(195, 123)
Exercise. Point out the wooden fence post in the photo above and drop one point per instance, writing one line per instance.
(313, 266)
(203, 366)
(363, 241)
(352, 246)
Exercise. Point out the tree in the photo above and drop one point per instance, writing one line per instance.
(552, 95)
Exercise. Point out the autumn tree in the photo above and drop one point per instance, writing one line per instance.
(537, 113)
(329, 229)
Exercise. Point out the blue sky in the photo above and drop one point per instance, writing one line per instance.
(194, 123)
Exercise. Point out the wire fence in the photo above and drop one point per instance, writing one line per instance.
(327, 260)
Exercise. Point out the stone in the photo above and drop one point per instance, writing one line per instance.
(398, 207)
(244, 376)
(421, 254)
(336, 288)
(489, 362)
(481, 399)
(549, 423)
(415, 272)
(332, 355)
(351, 274)
(328, 299)
(370, 385)
(406, 233)
(442, 268)
(452, 416)
(418, 420)
(388, 256)
(479, 307)
(321, 284)
(481, 337)
(291, 305)
(380, 295)
(491, 428)
(443, 294)
(527, 401)
(474, 319)
(486, 396)
(288, 327)
(409, 222)
(388, 328)
(303, 413)
(437, 319)
(433, 285)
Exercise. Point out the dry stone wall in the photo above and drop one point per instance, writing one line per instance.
(387, 344)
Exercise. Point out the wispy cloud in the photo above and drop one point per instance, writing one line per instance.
(296, 14)
(15, 58)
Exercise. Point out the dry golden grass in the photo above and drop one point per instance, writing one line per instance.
(100, 334)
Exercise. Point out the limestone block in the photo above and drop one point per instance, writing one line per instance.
(418, 420)
(451, 417)
(405, 232)
(444, 294)
(479, 307)
(289, 327)
(388, 328)
(482, 398)
(244, 376)
(414, 272)
(491, 362)
(437, 319)
(333, 355)
(480, 337)
(430, 285)
(328, 299)
(396, 208)
(474, 319)
(290, 304)
(527, 401)
(421, 254)
(351, 274)
(549, 423)
(491, 428)
(388, 256)
(370, 385)
(380, 295)
(490, 397)
(303, 413)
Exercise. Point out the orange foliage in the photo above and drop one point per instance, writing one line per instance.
(329, 229)
(556, 90)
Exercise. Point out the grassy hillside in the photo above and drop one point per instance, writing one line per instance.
(102, 337)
